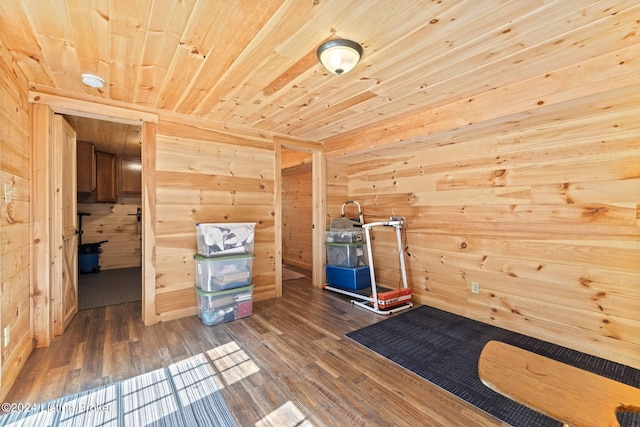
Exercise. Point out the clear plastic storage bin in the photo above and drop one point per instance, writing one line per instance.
(345, 236)
(225, 238)
(346, 254)
(220, 273)
(224, 306)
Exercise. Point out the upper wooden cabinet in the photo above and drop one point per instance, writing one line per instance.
(129, 176)
(105, 177)
(86, 161)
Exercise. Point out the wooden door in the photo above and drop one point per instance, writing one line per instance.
(129, 176)
(106, 190)
(65, 225)
(86, 167)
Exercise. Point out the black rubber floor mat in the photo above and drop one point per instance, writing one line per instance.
(444, 349)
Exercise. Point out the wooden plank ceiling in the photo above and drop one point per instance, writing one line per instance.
(117, 138)
(253, 63)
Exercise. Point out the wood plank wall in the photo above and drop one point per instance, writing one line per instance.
(208, 176)
(15, 226)
(541, 209)
(337, 189)
(114, 222)
(297, 216)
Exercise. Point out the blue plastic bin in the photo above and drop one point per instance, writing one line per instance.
(351, 278)
(89, 263)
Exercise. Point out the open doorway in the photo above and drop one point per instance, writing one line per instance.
(297, 214)
(46, 254)
(296, 152)
(109, 206)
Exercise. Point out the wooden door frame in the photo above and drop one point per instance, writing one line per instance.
(43, 106)
(318, 205)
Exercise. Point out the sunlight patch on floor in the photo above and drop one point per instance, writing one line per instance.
(233, 363)
(288, 415)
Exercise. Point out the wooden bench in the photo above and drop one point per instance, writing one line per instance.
(560, 391)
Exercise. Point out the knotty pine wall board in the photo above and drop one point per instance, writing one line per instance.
(207, 176)
(114, 222)
(543, 215)
(15, 217)
(337, 189)
(553, 283)
(195, 195)
(297, 216)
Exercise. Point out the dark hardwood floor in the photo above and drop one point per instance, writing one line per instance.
(288, 364)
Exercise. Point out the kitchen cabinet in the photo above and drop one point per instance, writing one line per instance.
(129, 176)
(86, 164)
(105, 177)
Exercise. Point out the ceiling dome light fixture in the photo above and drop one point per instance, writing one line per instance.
(92, 81)
(339, 56)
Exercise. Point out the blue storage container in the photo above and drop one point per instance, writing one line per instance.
(348, 277)
(89, 263)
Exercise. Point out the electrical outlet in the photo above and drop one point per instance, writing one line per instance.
(475, 287)
(7, 335)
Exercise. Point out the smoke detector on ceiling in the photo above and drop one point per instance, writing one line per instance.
(92, 81)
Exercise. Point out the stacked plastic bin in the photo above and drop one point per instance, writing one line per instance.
(347, 266)
(224, 266)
